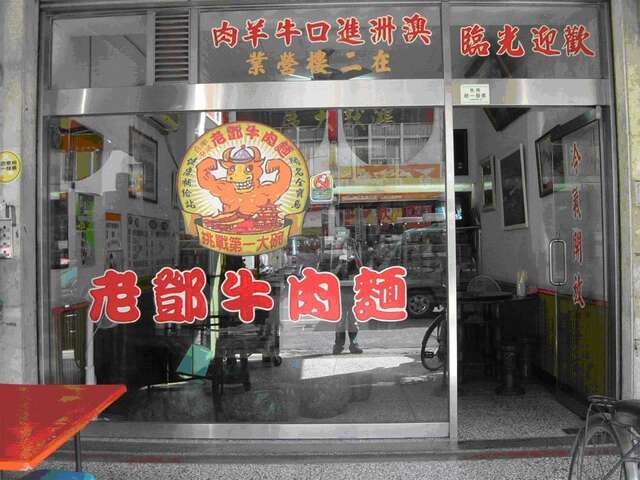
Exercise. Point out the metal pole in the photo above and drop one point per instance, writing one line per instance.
(452, 347)
(78, 452)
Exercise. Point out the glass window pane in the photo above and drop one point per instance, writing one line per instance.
(558, 42)
(99, 52)
(402, 42)
(116, 203)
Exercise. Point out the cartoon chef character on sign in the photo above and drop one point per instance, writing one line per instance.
(242, 192)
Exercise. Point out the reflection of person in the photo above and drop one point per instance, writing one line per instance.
(346, 268)
(347, 325)
(370, 259)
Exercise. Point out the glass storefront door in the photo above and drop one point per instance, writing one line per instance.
(539, 186)
(321, 238)
(577, 260)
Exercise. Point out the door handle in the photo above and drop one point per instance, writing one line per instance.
(552, 262)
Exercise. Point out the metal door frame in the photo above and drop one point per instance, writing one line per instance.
(443, 92)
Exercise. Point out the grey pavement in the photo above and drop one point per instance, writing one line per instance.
(522, 469)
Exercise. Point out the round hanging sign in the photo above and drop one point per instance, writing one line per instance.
(10, 166)
(243, 189)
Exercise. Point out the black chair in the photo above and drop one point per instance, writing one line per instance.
(475, 319)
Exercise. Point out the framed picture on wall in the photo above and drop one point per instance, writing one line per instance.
(488, 180)
(143, 170)
(550, 164)
(514, 190)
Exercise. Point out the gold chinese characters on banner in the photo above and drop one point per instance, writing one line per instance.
(243, 188)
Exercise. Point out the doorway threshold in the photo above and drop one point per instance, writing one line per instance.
(113, 450)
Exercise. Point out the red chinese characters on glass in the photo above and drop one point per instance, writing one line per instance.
(578, 284)
(575, 37)
(270, 139)
(225, 34)
(318, 32)
(415, 27)
(283, 149)
(576, 208)
(349, 31)
(178, 296)
(252, 132)
(219, 139)
(472, 41)
(576, 237)
(245, 294)
(234, 132)
(286, 30)
(255, 32)
(542, 39)
(380, 295)
(316, 294)
(508, 42)
(115, 293)
(576, 159)
(382, 29)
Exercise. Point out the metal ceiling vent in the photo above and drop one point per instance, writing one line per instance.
(172, 47)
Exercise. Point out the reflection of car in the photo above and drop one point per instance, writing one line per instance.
(422, 251)
(301, 252)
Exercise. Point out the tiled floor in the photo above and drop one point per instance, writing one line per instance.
(520, 469)
(483, 415)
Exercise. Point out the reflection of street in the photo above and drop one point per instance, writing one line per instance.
(316, 337)
(310, 336)
(354, 388)
(386, 383)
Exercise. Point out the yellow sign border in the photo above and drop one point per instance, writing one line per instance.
(18, 160)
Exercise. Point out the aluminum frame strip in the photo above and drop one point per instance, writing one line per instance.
(450, 180)
(42, 219)
(69, 5)
(244, 96)
(262, 431)
(322, 94)
(613, 223)
(532, 92)
(620, 150)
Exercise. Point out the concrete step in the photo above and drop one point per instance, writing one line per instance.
(302, 451)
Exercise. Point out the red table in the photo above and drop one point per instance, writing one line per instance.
(36, 420)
